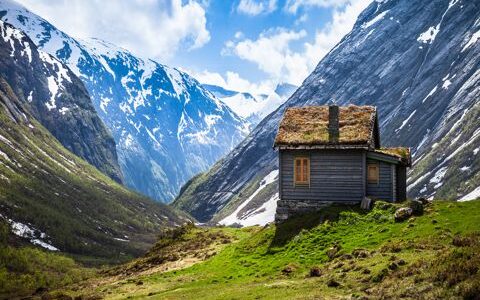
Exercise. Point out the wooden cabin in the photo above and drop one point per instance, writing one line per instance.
(332, 154)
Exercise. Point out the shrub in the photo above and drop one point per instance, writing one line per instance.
(378, 277)
(332, 283)
(461, 241)
(315, 272)
(290, 268)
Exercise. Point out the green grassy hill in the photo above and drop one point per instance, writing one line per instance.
(338, 253)
(50, 196)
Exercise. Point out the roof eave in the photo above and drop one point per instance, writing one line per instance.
(403, 161)
(319, 147)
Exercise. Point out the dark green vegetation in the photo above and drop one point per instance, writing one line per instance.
(81, 210)
(340, 252)
(26, 270)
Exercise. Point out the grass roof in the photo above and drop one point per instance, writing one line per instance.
(400, 152)
(309, 126)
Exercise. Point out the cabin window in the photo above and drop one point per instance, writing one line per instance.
(302, 170)
(372, 174)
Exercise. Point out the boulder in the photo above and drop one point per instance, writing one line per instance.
(416, 206)
(403, 213)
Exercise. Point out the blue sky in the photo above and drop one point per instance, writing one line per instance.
(246, 45)
(225, 21)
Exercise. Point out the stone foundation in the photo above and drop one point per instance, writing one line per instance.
(289, 208)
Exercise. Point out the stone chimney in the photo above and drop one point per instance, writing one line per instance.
(333, 126)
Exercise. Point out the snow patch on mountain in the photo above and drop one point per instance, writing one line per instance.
(260, 216)
(375, 19)
(428, 36)
(475, 37)
(405, 122)
(28, 232)
(473, 195)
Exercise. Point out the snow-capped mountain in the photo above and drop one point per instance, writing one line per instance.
(49, 196)
(419, 63)
(166, 126)
(56, 98)
(251, 107)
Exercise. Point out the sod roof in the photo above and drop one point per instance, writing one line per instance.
(403, 153)
(309, 126)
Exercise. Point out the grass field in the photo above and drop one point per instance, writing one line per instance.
(339, 253)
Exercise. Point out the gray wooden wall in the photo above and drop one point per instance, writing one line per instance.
(384, 189)
(334, 175)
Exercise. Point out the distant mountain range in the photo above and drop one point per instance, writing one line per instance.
(419, 63)
(166, 126)
(49, 195)
(253, 108)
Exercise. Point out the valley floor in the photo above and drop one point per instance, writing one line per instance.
(339, 253)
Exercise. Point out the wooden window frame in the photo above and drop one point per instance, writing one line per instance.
(373, 180)
(304, 174)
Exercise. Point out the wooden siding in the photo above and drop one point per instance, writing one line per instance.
(335, 175)
(382, 190)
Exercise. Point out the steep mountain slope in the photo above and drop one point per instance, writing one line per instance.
(418, 62)
(52, 197)
(253, 108)
(58, 201)
(58, 99)
(166, 126)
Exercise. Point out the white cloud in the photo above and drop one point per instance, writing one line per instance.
(256, 7)
(154, 28)
(292, 6)
(272, 53)
(302, 19)
(239, 35)
(233, 81)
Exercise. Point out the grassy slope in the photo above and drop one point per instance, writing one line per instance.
(24, 269)
(366, 254)
(79, 208)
